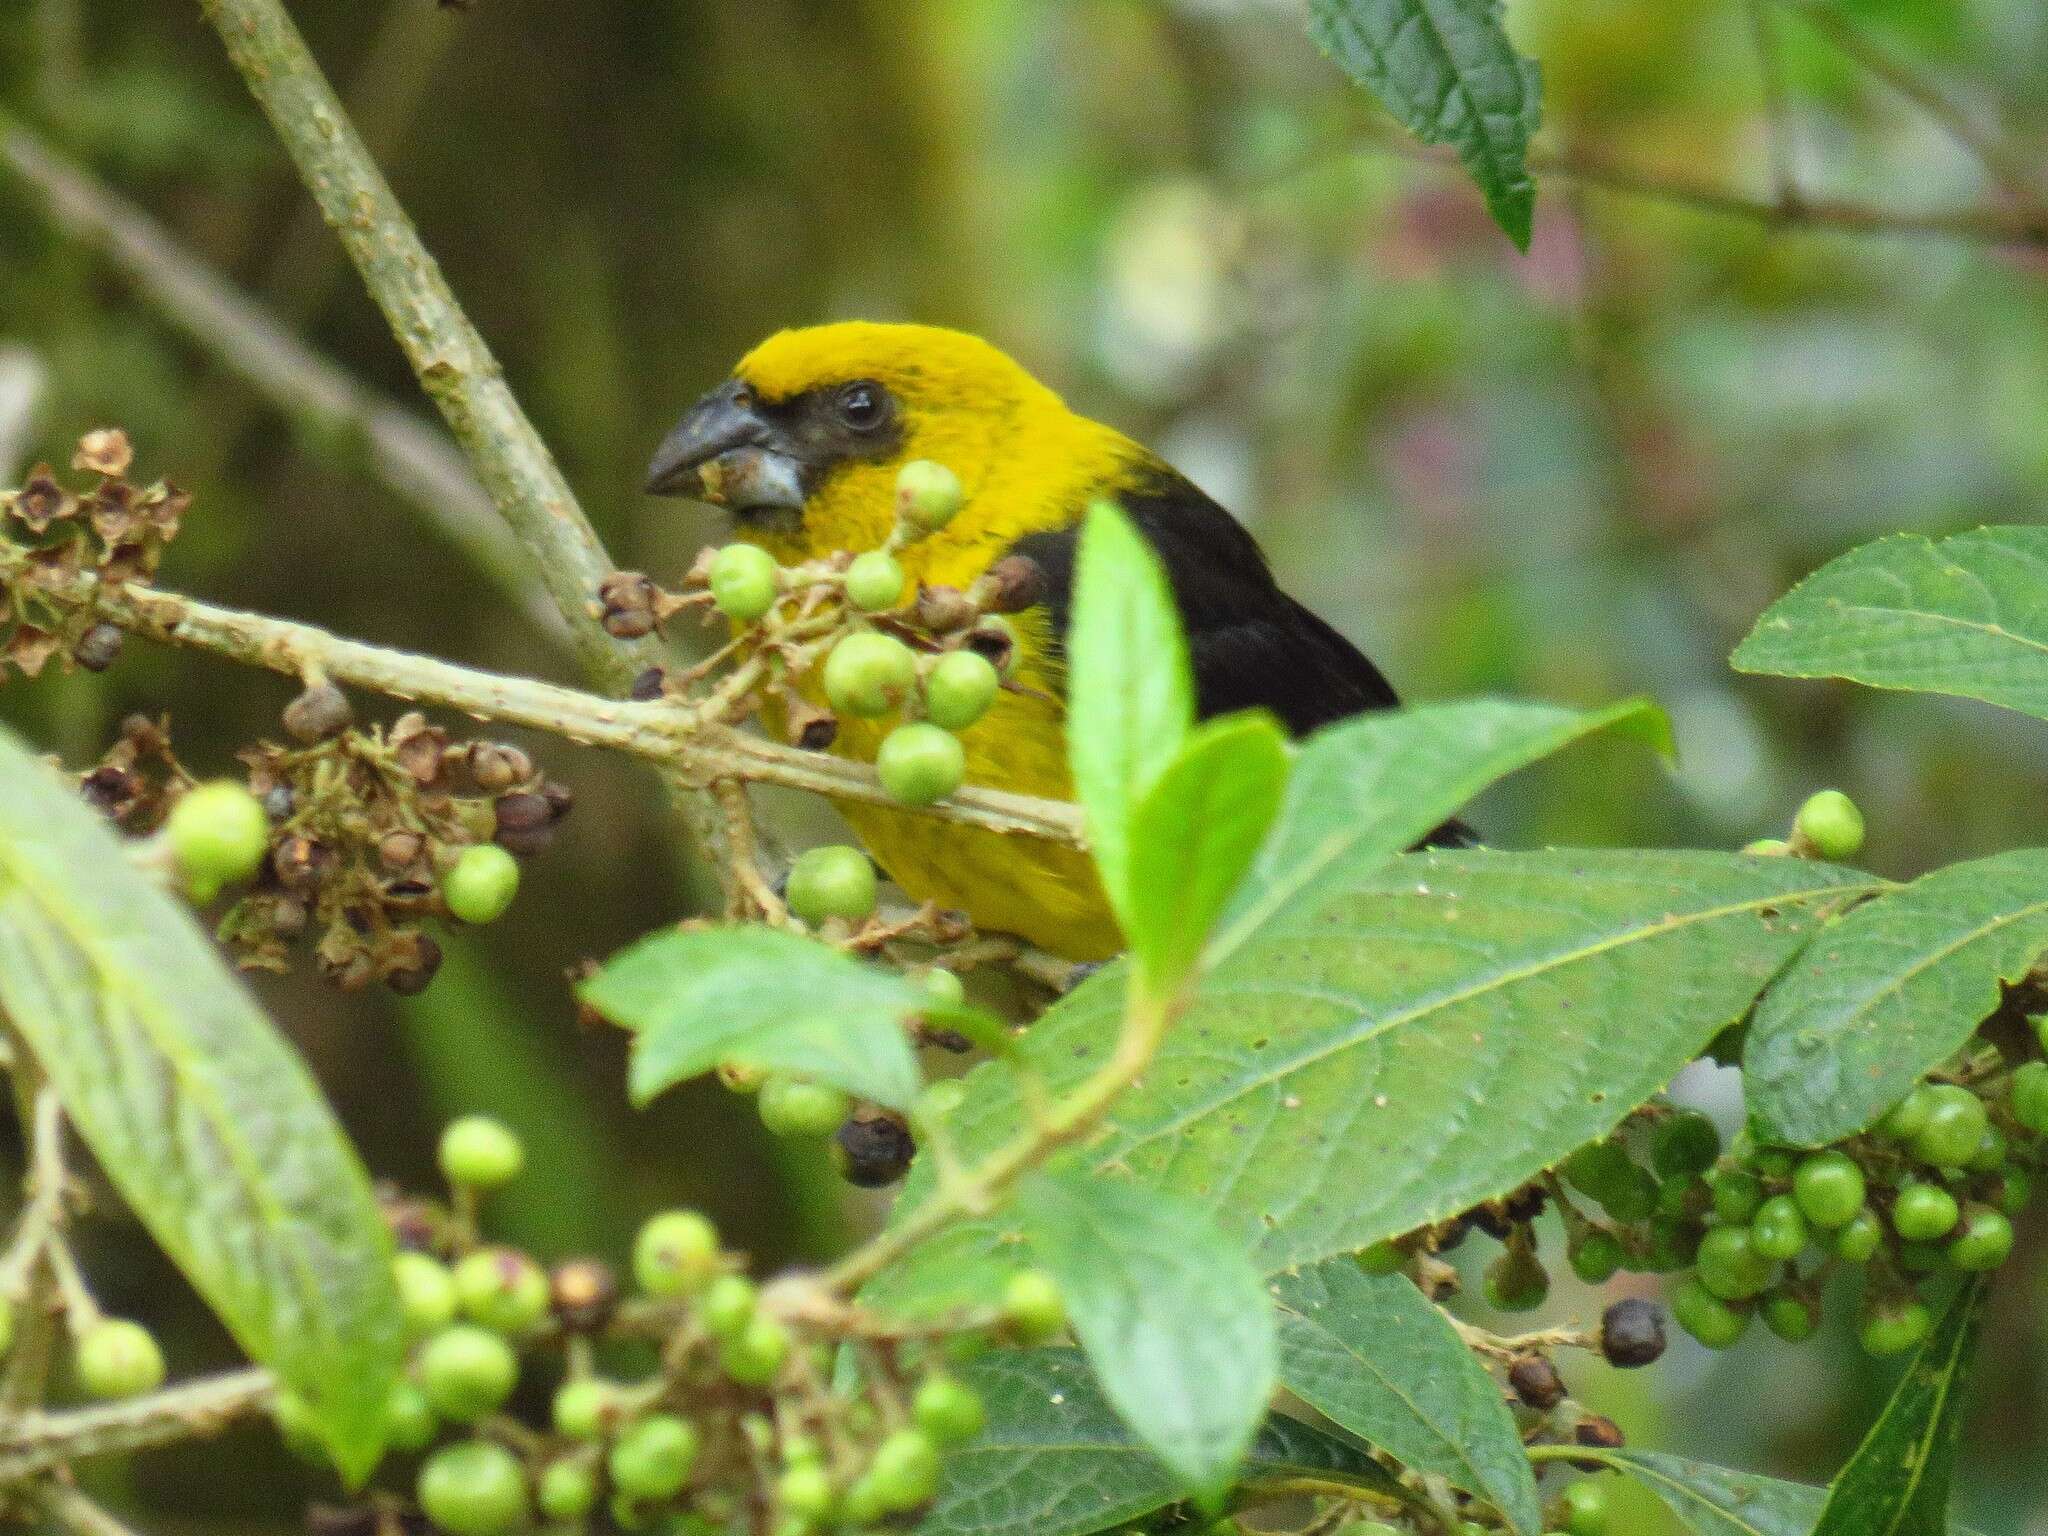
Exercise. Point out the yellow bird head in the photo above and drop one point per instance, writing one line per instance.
(802, 444)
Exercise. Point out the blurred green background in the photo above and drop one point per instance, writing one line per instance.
(1574, 475)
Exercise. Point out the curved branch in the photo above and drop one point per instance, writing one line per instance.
(38, 1442)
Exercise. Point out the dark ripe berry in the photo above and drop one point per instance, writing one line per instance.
(1829, 1187)
(1705, 1316)
(1014, 583)
(522, 822)
(319, 712)
(648, 686)
(583, 1294)
(109, 790)
(1536, 1383)
(97, 648)
(1596, 1430)
(1982, 1242)
(413, 965)
(1632, 1333)
(874, 1150)
(1685, 1143)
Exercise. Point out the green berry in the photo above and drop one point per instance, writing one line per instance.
(1831, 825)
(1584, 1506)
(743, 582)
(1924, 1212)
(1991, 1152)
(409, 1419)
(1685, 1143)
(1597, 1169)
(928, 495)
(1982, 1242)
(1954, 1129)
(959, 689)
(1729, 1265)
(1790, 1316)
(868, 674)
(920, 763)
(1674, 1242)
(1772, 1162)
(1767, 847)
(1894, 1328)
(474, 1489)
(568, 1489)
(1596, 1256)
(675, 1254)
(1905, 1118)
(1860, 1237)
(755, 1355)
(502, 1289)
(1033, 1310)
(2011, 1191)
(874, 581)
(652, 1459)
(905, 1471)
(218, 833)
(833, 881)
(1516, 1282)
(1778, 1230)
(1737, 1193)
(426, 1292)
(727, 1305)
(118, 1358)
(481, 883)
(1829, 1187)
(1706, 1316)
(478, 1152)
(805, 1490)
(467, 1372)
(791, 1107)
(944, 987)
(1921, 1258)
(584, 1409)
(948, 1410)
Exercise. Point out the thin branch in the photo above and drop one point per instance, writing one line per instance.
(36, 1300)
(410, 459)
(80, 1515)
(36, 1442)
(1779, 145)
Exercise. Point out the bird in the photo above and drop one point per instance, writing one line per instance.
(802, 444)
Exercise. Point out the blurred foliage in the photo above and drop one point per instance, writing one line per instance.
(1572, 476)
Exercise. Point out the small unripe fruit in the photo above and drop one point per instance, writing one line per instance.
(1982, 1242)
(1790, 1316)
(410, 1422)
(948, 1410)
(1954, 1128)
(1860, 1238)
(727, 1306)
(928, 495)
(920, 763)
(1596, 1256)
(1991, 1152)
(503, 1289)
(474, 1489)
(1778, 1230)
(1737, 1194)
(2030, 1097)
(874, 581)
(467, 1372)
(1893, 1329)
(568, 1489)
(805, 1491)
(1516, 1282)
(319, 712)
(2011, 1191)
(1924, 1212)
(905, 1471)
(1632, 1333)
(868, 674)
(478, 1152)
(1706, 1316)
(652, 1459)
(944, 987)
(1767, 847)
(481, 884)
(675, 1254)
(118, 1358)
(1729, 1265)
(218, 833)
(1584, 1506)
(584, 1409)
(426, 1292)
(1902, 1122)
(1685, 1143)
(833, 881)
(1831, 825)
(743, 582)
(755, 1355)
(792, 1107)
(1829, 1187)
(1033, 1311)
(959, 689)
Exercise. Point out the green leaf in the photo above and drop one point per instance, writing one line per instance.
(1365, 789)
(1375, 1357)
(1428, 1034)
(1888, 990)
(1719, 1501)
(204, 1119)
(1056, 1460)
(765, 998)
(1173, 1317)
(1130, 692)
(1897, 1483)
(1965, 615)
(1195, 834)
(1448, 73)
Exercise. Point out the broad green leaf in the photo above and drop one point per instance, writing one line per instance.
(1365, 789)
(1448, 73)
(1887, 990)
(762, 997)
(1193, 837)
(1966, 615)
(1720, 1501)
(1425, 1035)
(204, 1119)
(1130, 692)
(1897, 1483)
(1172, 1316)
(1373, 1355)
(1056, 1460)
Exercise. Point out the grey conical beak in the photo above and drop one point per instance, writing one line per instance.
(725, 451)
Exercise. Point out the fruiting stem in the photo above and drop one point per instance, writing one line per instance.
(36, 1305)
(36, 1442)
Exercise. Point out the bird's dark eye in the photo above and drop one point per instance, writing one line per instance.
(862, 406)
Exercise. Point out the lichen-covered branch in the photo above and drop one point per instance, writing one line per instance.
(36, 1442)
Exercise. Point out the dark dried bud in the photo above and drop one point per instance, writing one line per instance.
(110, 790)
(144, 734)
(561, 800)
(41, 501)
(1447, 1235)
(301, 862)
(1492, 1220)
(874, 1150)
(1526, 1203)
(113, 512)
(943, 609)
(994, 640)
(583, 1293)
(1597, 1430)
(400, 850)
(628, 598)
(648, 686)
(351, 970)
(282, 914)
(412, 963)
(1632, 1333)
(419, 747)
(415, 1226)
(1014, 583)
(318, 713)
(497, 767)
(97, 648)
(343, 1520)
(523, 822)
(1536, 1383)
